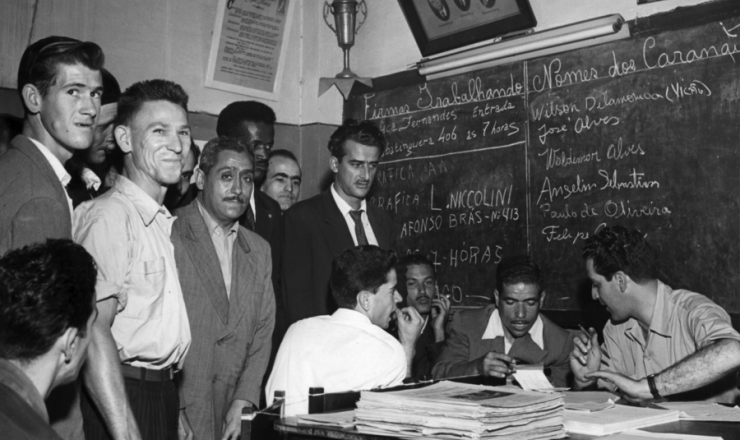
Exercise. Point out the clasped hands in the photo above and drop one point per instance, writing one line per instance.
(585, 361)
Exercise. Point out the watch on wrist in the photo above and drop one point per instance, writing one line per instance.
(653, 388)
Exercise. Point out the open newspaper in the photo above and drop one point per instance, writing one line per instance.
(450, 410)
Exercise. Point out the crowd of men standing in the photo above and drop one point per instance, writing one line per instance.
(183, 278)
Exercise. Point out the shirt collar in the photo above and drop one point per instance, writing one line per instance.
(349, 315)
(15, 379)
(211, 223)
(56, 165)
(495, 329)
(660, 318)
(90, 178)
(147, 207)
(343, 206)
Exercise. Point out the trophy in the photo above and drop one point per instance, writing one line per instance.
(345, 14)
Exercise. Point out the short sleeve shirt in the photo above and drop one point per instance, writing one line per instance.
(128, 234)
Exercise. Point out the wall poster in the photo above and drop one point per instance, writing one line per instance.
(248, 47)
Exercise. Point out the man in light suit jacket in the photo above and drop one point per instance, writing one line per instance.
(320, 228)
(491, 341)
(224, 271)
(60, 85)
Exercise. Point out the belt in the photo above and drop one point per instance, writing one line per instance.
(146, 374)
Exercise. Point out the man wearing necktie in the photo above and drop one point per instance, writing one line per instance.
(320, 228)
(491, 341)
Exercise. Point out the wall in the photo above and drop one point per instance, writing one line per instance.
(171, 39)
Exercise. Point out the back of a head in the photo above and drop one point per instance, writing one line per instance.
(45, 288)
(111, 88)
(617, 248)
(40, 61)
(357, 269)
(362, 132)
(138, 94)
(233, 115)
(10, 127)
(518, 269)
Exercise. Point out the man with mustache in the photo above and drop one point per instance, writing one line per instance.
(349, 350)
(253, 124)
(417, 284)
(493, 340)
(225, 276)
(320, 228)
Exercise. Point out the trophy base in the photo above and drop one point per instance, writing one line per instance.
(346, 73)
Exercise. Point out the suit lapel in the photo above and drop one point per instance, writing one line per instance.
(381, 233)
(197, 242)
(27, 147)
(526, 350)
(241, 281)
(334, 228)
(263, 219)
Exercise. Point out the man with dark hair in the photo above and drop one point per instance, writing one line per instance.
(10, 127)
(349, 350)
(225, 276)
(60, 86)
(143, 332)
(283, 180)
(253, 123)
(320, 228)
(417, 284)
(89, 167)
(47, 309)
(491, 341)
(659, 342)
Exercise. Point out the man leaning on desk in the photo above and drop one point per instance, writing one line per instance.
(349, 350)
(659, 342)
(492, 340)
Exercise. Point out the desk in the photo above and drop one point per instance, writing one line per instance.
(728, 431)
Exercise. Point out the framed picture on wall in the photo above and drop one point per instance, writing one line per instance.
(248, 47)
(442, 25)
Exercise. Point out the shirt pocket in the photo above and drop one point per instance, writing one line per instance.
(146, 293)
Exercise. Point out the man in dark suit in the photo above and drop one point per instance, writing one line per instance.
(491, 341)
(417, 284)
(253, 123)
(320, 228)
(57, 122)
(60, 86)
(224, 271)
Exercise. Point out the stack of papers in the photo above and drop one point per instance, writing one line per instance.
(617, 419)
(449, 410)
(344, 419)
(589, 401)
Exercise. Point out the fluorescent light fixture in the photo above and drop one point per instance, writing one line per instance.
(582, 34)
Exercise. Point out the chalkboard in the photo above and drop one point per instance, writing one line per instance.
(536, 156)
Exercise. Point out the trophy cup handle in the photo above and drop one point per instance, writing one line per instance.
(329, 10)
(361, 8)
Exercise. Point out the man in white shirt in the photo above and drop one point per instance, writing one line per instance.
(142, 333)
(60, 85)
(349, 350)
(493, 340)
(320, 228)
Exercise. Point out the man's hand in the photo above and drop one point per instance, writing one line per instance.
(232, 424)
(184, 431)
(440, 310)
(409, 325)
(634, 391)
(585, 357)
(496, 365)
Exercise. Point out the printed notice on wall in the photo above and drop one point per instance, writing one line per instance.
(248, 47)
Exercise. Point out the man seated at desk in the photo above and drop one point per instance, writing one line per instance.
(349, 350)
(659, 341)
(491, 341)
(417, 284)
